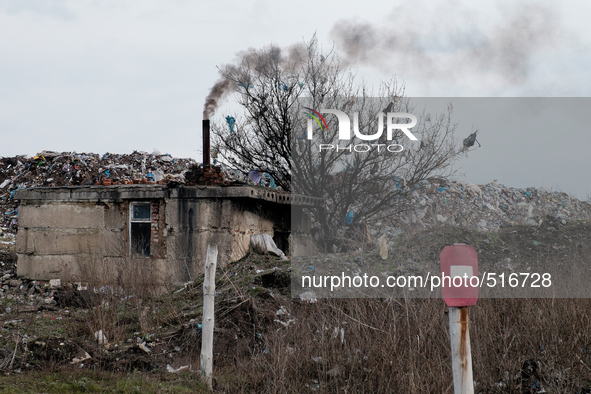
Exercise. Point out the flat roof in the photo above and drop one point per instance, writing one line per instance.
(118, 193)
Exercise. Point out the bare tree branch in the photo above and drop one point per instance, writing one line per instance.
(271, 86)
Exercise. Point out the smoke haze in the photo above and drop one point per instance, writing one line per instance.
(449, 42)
(428, 44)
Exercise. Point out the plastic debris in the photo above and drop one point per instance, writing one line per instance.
(170, 369)
(231, 121)
(281, 311)
(383, 242)
(264, 244)
(255, 176)
(100, 337)
(82, 356)
(270, 181)
(398, 185)
(142, 345)
(349, 217)
(55, 283)
(309, 296)
(337, 331)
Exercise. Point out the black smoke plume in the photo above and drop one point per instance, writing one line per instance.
(219, 90)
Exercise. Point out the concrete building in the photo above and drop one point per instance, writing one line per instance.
(148, 233)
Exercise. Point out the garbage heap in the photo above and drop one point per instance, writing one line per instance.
(432, 201)
(50, 168)
(488, 207)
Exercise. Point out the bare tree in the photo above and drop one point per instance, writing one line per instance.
(274, 87)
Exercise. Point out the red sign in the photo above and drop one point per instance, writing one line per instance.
(459, 264)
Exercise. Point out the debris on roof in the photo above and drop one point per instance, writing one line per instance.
(49, 168)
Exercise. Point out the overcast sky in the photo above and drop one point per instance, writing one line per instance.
(117, 76)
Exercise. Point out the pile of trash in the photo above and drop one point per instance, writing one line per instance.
(489, 207)
(433, 201)
(49, 168)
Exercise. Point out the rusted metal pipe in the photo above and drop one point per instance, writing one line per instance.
(461, 356)
(206, 153)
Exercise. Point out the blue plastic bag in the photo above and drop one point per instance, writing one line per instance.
(349, 217)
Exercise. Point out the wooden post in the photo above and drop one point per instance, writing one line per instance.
(461, 357)
(208, 314)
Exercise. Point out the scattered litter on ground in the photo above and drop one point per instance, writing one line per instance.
(82, 356)
(264, 244)
(55, 283)
(100, 337)
(170, 369)
(383, 242)
(142, 345)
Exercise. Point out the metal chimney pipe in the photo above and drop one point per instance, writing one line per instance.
(206, 153)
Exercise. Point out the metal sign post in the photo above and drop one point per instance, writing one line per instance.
(461, 357)
(459, 263)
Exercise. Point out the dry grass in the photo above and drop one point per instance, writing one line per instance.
(403, 346)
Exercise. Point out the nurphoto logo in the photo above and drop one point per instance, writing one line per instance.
(344, 130)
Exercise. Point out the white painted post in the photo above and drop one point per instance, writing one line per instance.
(461, 356)
(208, 314)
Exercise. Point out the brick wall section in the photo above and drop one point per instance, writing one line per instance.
(124, 208)
(162, 229)
(155, 233)
(206, 175)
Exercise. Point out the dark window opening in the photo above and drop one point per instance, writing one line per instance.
(140, 229)
(140, 238)
(282, 240)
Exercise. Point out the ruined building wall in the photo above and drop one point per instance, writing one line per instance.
(193, 223)
(83, 234)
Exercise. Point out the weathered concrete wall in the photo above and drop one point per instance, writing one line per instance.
(62, 239)
(193, 223)
(301, 243)
(82, 233)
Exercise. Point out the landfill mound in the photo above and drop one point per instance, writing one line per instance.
(488, 207)
(49, 168)
(433, 201)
